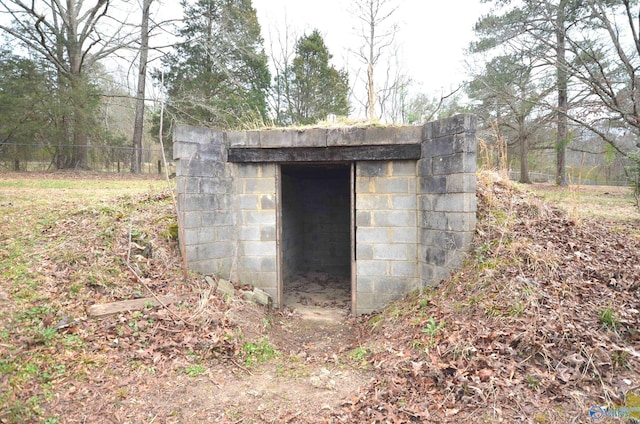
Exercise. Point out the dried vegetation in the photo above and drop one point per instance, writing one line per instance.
(541, 324)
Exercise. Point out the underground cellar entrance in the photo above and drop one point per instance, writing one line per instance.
(316, 253)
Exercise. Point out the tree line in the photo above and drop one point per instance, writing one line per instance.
(542, 74)
(56, 90)
(557, 70)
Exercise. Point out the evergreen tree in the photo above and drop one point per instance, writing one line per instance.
(24, 99)
(316, 88)
(538, 29)
(218, 75)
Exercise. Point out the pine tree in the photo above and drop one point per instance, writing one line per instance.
(317, 89)
(218, 74)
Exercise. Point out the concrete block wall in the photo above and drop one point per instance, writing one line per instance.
(205, 199)
(326, 230)
(415, 219)
(255, 188)
(446, 197)
(292, 243)
(386, 235)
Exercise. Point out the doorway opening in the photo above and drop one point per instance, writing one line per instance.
(316, 238)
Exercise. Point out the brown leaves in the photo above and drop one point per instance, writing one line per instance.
(523, 329)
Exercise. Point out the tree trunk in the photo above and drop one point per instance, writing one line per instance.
(136, 157)
(562, 137)
(524, 154)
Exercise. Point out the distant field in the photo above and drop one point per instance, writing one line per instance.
(609, 202)
(66, 186)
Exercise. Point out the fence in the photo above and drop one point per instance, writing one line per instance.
(116, 159)
(539, 177)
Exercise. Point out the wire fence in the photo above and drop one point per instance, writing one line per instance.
(539, 177)
(115, 159)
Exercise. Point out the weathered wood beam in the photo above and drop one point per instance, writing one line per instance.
(101, 310)
(325, 154)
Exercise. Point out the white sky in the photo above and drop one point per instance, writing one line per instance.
(432, 35)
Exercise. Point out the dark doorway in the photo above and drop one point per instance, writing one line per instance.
(315, 238)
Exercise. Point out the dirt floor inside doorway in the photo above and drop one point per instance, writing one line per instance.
(319, 296)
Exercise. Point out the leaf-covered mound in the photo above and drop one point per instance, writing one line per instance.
(540, 325)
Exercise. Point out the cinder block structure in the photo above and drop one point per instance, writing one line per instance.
(393, 208)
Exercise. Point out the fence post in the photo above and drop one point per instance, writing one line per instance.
(16, 165)
(159, 167)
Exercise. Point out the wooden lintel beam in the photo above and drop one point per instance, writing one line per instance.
(325, 154)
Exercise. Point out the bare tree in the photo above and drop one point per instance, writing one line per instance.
(377, 32)
(136, 159)
(72, 36)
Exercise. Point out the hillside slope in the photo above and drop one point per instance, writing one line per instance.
(541, 324)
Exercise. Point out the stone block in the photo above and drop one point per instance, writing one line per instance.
(371, 268)
(455, 202)
(393, 185)
(364, 251)
(434, 220)
(432, 275)
(373, 235)
(247, 170)
(461, 221)
(249, 232)
(218, 218)
(276, 138)
(268, 264)
(426, 201)
(365, 185)
(267, 201)
(350, 136)
(212, 152)
(259, 186)
(184, 151)
(248, 201)
(372, 169)
(268, 233)
(454, 164)
(425, 166)
(363, 219)
(455, 125)
(404, 269)
(404, 202)
(237, 138)
(200, 135)
(461, 183)
(261, 297)
(394, 218)
(250, 263)
(407, 235)
(393, 285)
(207, 235)
(225, 288)
(373, 202)
(394, 252)
(256, 217)
(433, 184)
(268, 170)
(215, 185)
(436, 256)
(191, 219)
(309, 137)
(402, 168)
(258, 248)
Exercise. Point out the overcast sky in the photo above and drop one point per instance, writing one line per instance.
(432, 36)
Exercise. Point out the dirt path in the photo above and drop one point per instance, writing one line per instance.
(307, 382)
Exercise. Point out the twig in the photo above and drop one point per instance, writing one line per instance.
(233, 361)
